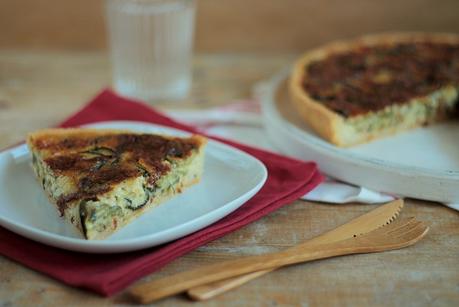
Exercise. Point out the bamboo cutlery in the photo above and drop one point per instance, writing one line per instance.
(372, 232)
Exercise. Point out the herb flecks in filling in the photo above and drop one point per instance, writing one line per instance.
(369, 79)
(102, 163)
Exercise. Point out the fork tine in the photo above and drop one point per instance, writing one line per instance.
(414, 232)
(403, 232)
(406, 227)
(400, 225)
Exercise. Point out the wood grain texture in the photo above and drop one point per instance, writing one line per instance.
(230, 26)
(399, 234)
(40, 89)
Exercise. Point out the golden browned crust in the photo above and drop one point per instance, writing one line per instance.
(327, 123)
(55, 134)
(76, 166)
(97, 160)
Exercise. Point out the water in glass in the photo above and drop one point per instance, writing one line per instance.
(151, 47)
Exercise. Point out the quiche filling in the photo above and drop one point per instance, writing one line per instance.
(353, 92)
(373, 78)
(101, 181)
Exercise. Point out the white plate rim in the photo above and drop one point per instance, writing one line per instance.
(146, 241)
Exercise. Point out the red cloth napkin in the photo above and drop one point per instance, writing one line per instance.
(288, 179)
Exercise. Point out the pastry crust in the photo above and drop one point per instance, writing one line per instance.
(101, 180)
(335, 127)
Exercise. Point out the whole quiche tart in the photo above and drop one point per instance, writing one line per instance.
(351, 92)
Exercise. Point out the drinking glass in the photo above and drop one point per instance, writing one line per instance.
(151, 47)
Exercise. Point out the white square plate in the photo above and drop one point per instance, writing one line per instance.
(230, 178)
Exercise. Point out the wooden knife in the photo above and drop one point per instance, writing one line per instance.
(365, 223)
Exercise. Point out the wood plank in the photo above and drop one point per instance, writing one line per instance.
(40, 89)
(229, 26)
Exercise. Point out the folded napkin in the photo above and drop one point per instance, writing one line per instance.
(288, 179)
(241, 121)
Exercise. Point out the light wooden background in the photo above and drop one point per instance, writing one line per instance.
(253, 39)
(229, 25)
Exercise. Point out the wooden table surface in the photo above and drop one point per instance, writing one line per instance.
(39, 89)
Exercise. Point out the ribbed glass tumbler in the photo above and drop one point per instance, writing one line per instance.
(151, 45)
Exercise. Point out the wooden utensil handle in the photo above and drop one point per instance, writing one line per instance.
(213, 289)
(178, 283)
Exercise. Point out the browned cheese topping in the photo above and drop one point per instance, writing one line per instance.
(371, 78)
(104, 161)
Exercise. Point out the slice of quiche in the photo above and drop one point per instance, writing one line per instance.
(100, 180)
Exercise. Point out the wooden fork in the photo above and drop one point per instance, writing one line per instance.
(367, 222)
(396, 235)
